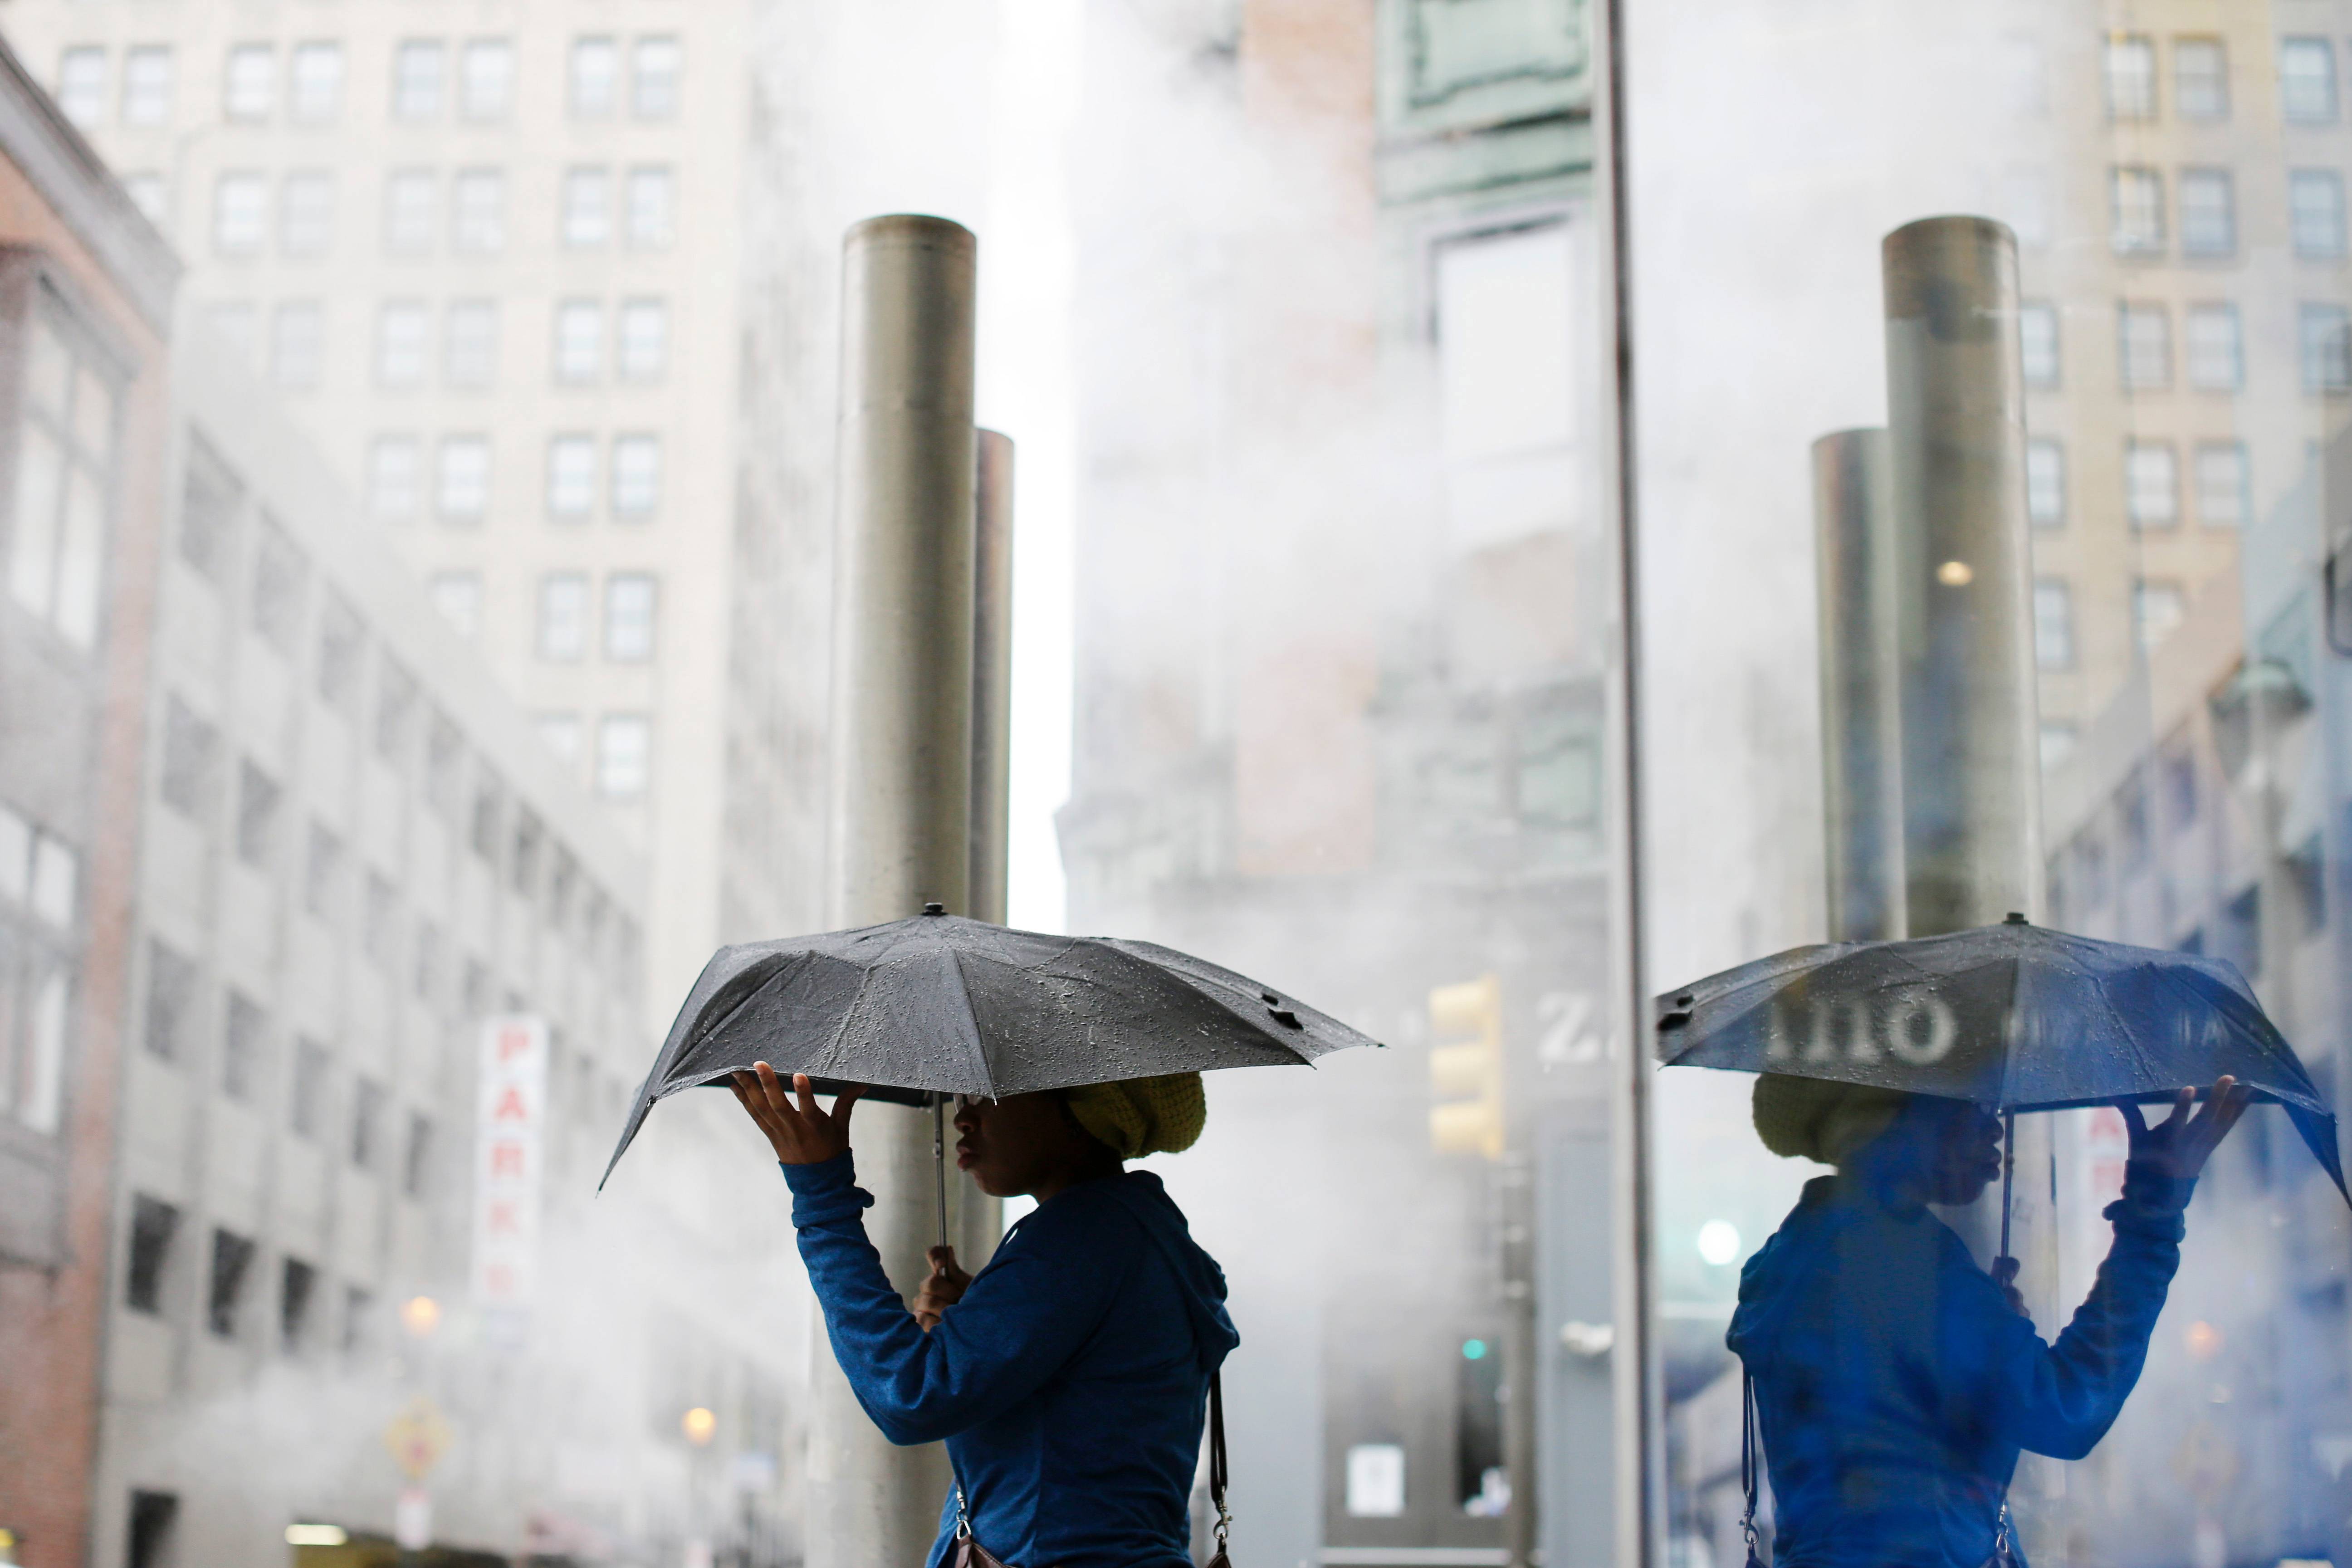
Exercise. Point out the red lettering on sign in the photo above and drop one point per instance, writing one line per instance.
(507, 1159)
(510, 1106)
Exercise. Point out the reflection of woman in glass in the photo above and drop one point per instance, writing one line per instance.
(1895, 1380)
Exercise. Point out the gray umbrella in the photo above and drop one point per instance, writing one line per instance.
(922, 1009)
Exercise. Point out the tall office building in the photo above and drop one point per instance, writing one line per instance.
(494, 262)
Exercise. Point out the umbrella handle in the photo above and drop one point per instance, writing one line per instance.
(2008, 1171)
(939, 1157)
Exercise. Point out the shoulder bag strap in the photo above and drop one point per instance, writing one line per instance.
(1750, 1462)
(1217, 1469)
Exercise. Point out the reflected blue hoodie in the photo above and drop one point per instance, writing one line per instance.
(1070, 1382)
(1894, 1386)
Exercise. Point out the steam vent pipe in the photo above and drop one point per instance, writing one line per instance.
(900, 829)
(992, 678)
(1956, 434)
(1862, 712)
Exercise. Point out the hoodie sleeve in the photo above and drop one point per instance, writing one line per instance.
(2061, 1399)
(1020, 1321)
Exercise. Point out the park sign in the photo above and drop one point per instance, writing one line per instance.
(510, 1120)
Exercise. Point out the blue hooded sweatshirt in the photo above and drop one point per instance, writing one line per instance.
(1070, 1382)
(1894, 1386)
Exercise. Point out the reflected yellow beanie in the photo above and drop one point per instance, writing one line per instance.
(1818, 1119)
(1139, 1116)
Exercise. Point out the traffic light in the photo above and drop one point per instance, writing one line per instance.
(1465, 1067)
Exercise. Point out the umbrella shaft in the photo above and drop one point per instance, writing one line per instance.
(939, 1158)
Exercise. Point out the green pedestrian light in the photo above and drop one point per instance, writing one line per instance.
(1474, 1350)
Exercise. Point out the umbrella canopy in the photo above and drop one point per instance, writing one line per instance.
(2011, 1017)
(943, 1005)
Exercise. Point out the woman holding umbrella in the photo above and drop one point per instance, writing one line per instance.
(1069, 1377)
(1894, 1381)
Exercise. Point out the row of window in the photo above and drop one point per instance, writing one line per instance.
(309, 83)
(2200, 76)
(40, 876)
(40, 872)
(154, 1243)
(468, 342)
(413, 208)
(2214, 344)
(2158, 608)
(2208, 212)
(631, 601)
(623, 760)
(2220, 481)
(56, 557)
(194, 760)
(630, 478)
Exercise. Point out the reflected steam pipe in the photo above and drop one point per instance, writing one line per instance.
(1861, 713)
(900, 825)
(1956, 434)
(979, 1223)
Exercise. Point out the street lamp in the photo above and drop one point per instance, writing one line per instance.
(420, 1315)
(698, 1425)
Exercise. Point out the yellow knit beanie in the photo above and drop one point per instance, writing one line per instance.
(1820, 1118)
(1139, 1116)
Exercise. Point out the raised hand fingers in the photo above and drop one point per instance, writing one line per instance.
(2183, 1104)
(2135, 1124)
(842, 1104)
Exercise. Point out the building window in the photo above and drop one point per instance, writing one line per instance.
(209, 499)
(2216, 350)
(653, 78)
(2144, 343)
(297, 1287)
(587, 207)
(408, 212)
(297, 332)
(458, 596)
(2151, 484)
(392, 476)
(402, 333)
(629, 603)
(240, 213)
(244, 1043)
(2025, 203)
(380, 922)
(147, 86)
(154, 1223)
(367, 1123)
(2222, 487)
(2037, 340)
(232, 1261)
(323, 874)
(624, 752)
(191, 762)
(2201, 78)
(579, 341)
(81, 86)
(2327, 355)
(306, 1106)
(559, 733)
(470, 355)
(486, 80)
(477, 223)
(416, 80)
(2157, 609)
(306, 214)
(2045, 482)
(2131, 76)
(563, 616)
(2136, 202)
(2315, 212)
(595, 72)
(644, 340)
(278, 574)
(341, 641)
(572, 476)
(169, 1030)
(2307, 80)
(2208, 212)
(637, 476)
(250, 93)
(2054, 624)
(416, 1157)
(650, 220)
(65, 462)
(318, 83)
(258, 799)
(463, 494)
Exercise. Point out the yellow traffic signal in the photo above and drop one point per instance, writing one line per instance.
(1465, 1067)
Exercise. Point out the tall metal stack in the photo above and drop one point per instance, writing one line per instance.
(1956, 434)
(1861, 708)
(901, 822)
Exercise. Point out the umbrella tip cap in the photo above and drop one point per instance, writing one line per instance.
(942, 909)
(2016, 918)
